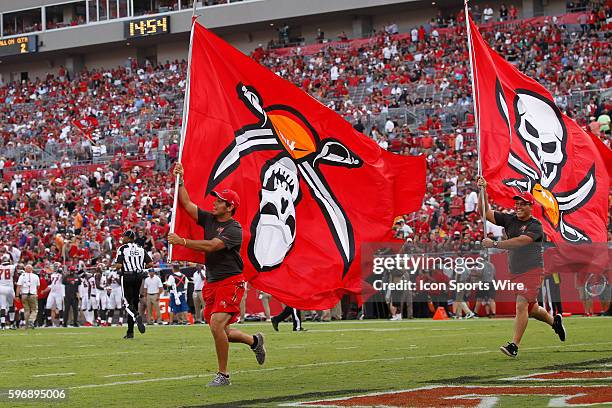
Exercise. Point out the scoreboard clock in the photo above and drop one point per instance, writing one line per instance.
(24, 44)
(144, 27)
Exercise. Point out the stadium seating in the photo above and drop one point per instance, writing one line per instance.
(410, 93)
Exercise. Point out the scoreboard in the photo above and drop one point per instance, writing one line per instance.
(144, 27)
(24, 44)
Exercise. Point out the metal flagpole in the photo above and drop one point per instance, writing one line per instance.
(476, 116)
(183, 127)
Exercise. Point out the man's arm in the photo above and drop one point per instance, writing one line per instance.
(183, 195)
(206, 245)
(516, 242)
(490, 214)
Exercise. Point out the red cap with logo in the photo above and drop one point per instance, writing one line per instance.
(229, 196)
(526, 197)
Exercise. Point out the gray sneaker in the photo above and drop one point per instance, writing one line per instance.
(260, 350)
(219, 381)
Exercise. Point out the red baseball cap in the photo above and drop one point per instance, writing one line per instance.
(526, 197)
(229, 196)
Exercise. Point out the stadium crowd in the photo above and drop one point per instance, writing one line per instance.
(86, 156)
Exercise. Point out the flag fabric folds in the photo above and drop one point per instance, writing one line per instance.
(527, 144)
(312, 189)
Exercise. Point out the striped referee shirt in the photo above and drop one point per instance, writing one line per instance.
(132, 258)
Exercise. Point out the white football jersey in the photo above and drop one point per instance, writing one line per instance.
(84, 287)
(92, 282)
(6, 275)
(114, 280)
(56, 283)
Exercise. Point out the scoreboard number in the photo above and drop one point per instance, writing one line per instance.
(147, 26)
(24, 44)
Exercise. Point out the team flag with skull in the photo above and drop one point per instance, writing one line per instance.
(311, 188)
(527, 144)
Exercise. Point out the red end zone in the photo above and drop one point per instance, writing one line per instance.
(470, 396)
(585, 375)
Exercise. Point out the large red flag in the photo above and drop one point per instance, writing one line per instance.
(527, 144)
(312, 188)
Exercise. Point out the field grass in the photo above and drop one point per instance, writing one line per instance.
(169, 366)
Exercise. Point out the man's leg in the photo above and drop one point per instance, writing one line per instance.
(33, 309)
(287, 311)
(26, 309)
(218, 324)
(297, 319)
(65, 314)
(265, 301)
(521, 319)
(150, 304)
(75, 310)
(539, 313)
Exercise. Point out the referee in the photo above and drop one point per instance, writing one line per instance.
(132, 259)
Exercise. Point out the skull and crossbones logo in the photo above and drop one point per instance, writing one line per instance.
(274, 227)
(543, 134)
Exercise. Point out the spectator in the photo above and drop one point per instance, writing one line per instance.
(154, 288)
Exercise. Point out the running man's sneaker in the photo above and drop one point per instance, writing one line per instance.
(129, 336)
(220, 380)
(558, 327)
(511, 350)
(141, 326)
(260, 350)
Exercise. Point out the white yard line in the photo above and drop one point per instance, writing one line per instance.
(121, 375)
(53, 375)
(64, 357)
(321, 364)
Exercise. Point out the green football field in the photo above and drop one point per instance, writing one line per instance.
(170, 365)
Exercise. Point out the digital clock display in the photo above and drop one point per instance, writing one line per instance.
(24, 44)
(144, 27)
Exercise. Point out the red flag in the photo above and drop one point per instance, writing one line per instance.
(86, 125)
(527, 144)
(312, 188)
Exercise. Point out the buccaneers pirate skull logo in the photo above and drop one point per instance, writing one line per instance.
(274, 227)
(540, 128)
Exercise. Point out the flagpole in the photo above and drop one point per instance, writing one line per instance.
(476, 116)
(184, 121)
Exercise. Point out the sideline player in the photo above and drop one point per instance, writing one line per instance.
(55, 300)
(7, 290)
(101, 295)
(526, 262)
(225, 282)
(115, 297)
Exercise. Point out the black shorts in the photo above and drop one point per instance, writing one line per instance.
(487, 294)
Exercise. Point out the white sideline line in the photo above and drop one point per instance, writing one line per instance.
(360, 330)
(121, 375)
(321, 364)
(72, 356)
(53, 375)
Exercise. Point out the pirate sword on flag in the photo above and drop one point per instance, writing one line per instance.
(312, 188)
(526, 144)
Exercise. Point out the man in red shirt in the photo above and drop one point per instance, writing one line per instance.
(43, 292)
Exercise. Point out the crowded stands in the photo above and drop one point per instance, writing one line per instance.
(85, 156)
